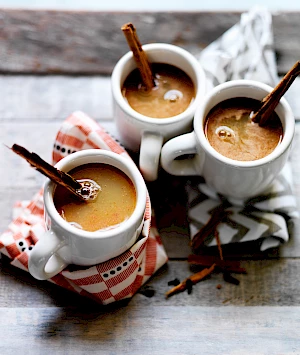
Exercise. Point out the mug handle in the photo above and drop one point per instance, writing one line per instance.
(40, 255)
(150, 149)
(177, 147)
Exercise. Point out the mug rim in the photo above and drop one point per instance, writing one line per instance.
(200, 117)
(114, 231)
(189, 57)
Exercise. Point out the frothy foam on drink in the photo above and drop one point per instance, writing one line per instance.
(230, 130)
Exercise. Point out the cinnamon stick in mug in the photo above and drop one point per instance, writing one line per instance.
(139, 55)
(269, 103)
(48, 170)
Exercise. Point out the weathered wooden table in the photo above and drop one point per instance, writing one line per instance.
(53, 63)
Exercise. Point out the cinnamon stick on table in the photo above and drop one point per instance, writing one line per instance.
(226, 274)
(192, 280)
(139, 55)
(208, 230)
(48, 170)
(270, 102)
(207, 260)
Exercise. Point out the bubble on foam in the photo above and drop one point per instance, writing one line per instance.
(225, 133)
(89, 189)
(173, 95)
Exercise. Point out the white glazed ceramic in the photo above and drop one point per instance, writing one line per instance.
(64, 244)
(232, 178)
(144, 134)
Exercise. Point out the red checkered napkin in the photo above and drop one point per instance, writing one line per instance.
(113, 280)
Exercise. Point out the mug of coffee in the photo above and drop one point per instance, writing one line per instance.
(88, 233)
(146, 120)
(236, 157)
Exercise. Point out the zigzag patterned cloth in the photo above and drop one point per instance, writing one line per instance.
(245, 51)
(267, 217)
(114, 280)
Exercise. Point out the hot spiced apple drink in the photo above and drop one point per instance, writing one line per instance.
(149, 112)
(237, 158)
(171, 95)
(114, 204)
(231, 131)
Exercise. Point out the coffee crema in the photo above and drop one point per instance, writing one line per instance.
(115, 202)
(173, 93)
(231, 132)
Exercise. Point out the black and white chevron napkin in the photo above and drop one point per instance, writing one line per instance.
(245, 51)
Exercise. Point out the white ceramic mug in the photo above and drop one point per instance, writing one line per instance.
(64, 244)
(144, 134)
(232, 178)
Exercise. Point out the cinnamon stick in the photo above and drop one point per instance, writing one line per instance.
(209, 228)
(229, 278)
(269, 103)
(226, 274)
(139, 55)
(48, 170)
(193, 279)
(217, 236)
(208, 260)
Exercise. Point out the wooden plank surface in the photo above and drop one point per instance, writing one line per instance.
(53, 97)
(264, 307)
(182, 330)
(92, 42)
(272, 282)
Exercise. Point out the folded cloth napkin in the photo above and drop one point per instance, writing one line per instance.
(113, 280)
(245, 52)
